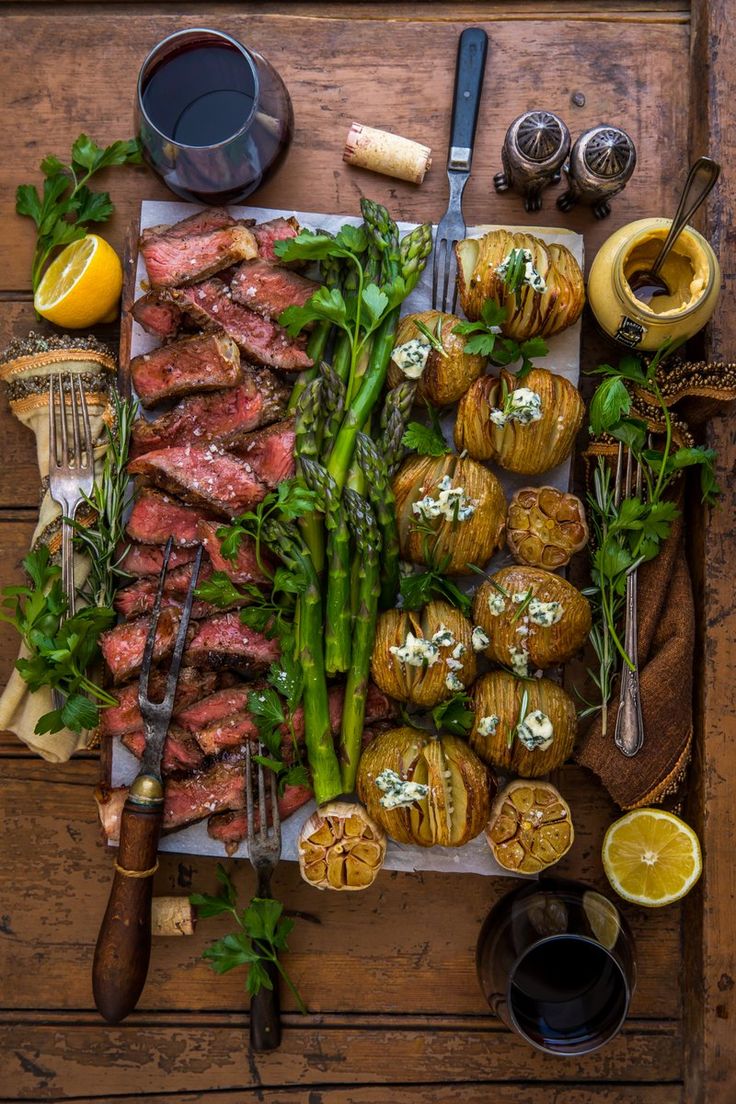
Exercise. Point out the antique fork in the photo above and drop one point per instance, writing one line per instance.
(469, 70)
(264, 851)
(71, 476)
(629, 732)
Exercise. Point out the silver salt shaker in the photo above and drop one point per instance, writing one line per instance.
(533, 153)
(601, 163)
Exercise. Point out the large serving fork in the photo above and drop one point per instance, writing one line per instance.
(264, 851)
(629, 731)
(469, 70)
(71, 472)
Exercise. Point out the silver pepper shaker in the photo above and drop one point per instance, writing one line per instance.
(533, 153)
(601, 163)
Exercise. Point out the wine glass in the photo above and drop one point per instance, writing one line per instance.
(214, 118)
(556, 963)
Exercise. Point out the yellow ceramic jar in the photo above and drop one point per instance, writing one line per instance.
(691, 272)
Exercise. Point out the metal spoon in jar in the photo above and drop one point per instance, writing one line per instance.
(648, 284)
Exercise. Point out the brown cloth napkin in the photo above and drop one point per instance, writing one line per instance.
(24, 367)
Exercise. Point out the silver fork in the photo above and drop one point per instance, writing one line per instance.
(469, 70)
(264, 851)
(629, 732)
(71, 474)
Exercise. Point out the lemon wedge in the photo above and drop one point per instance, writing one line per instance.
(651, 857)
(82, 285)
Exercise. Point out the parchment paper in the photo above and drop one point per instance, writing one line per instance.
(564, 358)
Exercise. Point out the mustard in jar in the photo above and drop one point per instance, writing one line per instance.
(691, 273)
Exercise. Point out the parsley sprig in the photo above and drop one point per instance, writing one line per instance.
(262, 933)
(272, 709)
(63, 212)
(426, 440)
(454, 715)
(487, 340)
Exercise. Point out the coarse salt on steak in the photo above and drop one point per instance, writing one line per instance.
(204, 476)
(192, 685)
(122, 647)
(156, 315)
(155, 517)
(269, 289)
(224, 641)
(232, 827)
(244, 568)
(270, 232)
(142, 560)
(205, 362)
(269, 451)
(181, 751)
(194, 248)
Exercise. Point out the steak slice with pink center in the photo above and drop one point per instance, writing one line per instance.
(270, 452)
(215, 789)
(124, 717)
(155, 517)
(206, 242)
(260, 398)
(230, 828)
(206, 362)
(215, 707)
(244, 568)
(268, 233)
(181, 751)
(269, 289)
(157, 315)
(224, 641)
(139, 598)
(122, 647)
(142, 560)
(262, 340)
(204, 476)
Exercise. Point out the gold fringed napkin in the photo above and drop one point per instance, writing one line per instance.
(25, 367)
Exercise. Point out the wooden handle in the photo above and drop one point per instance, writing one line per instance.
(265, 1015)
(124, 943)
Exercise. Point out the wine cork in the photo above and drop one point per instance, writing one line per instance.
(386, 153)
(172, 916)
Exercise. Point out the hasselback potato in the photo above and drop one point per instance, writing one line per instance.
(447, 374)
(529, 313)
(545, 527)
(450, 511)
(425, 656)
(526, 426)
(425, 789)
(527, 735)
(532, 618)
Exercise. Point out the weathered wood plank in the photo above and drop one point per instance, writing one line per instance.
(63, 1060)
(405, 945)
(599, 58)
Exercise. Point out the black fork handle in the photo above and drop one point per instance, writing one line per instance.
(265, 1006)
(469, 70)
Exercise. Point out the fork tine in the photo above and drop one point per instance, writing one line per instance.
(629, 465)
(75, 421)
(143, 689)
(619, 476)
(262, 807)
(249, 799)
(62, 422)
(435, 271)
(446, 273)
(275, 818)
(52, 421)
(89, 462)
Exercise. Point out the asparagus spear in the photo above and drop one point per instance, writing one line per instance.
(330, 270)
(396, 409)
(367, 539)
(306, 447)
(382, 499)
(285, 540)
(333, 391)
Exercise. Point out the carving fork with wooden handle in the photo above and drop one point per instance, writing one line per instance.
(124, 944)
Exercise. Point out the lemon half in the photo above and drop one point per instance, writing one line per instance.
(81, 286)
(651, 857)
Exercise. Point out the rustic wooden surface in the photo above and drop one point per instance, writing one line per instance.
(388, 975)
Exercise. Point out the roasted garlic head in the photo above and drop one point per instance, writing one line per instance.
(531, 617)
(545, 527)
(341, 847)
(526, 426)
(530, 827)
(442, 368)
(423, 657)
(450, 511)
(551, 298)
(522, 726)
(425, 789)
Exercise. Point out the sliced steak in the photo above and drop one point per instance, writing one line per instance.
(269, 451)
(214, 789)
(205, 362)
(268, 233)
(204, 476)
(181, 751)
(122, 647)
(223, 641)
(192, 685)
(244, 568)
(157, 315)
(141, 560)
(214, 707)
(155, 517)
(231, 828)
(260, 398)
(262, 340)
(269, 289)
(138, 599)
(206, 242)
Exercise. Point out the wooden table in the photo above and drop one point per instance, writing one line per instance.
(388, 974)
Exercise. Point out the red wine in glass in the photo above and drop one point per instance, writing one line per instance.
(214, 118)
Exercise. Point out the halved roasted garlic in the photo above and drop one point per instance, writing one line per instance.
(450, 511)
(423, 657)
(530, 827)
(425, 789)
(545, 527)
(341, 847)
(532, 618)
(522, 726)
(526, 426)
(550, 301)
(441, 367)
